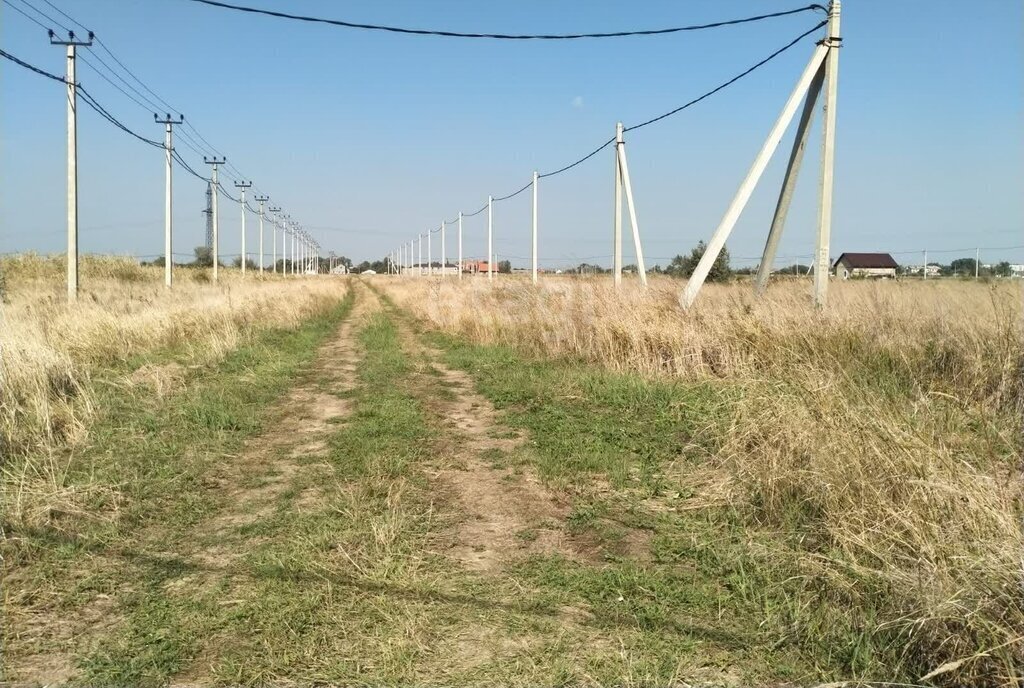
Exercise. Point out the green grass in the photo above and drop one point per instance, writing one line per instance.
(341, 574)
(691, 581)
(583, 420)
(148, 463)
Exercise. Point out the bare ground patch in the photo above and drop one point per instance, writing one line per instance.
(253, 480)
(504, 513)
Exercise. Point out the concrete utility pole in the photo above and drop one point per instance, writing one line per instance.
(262, 200)
(215, 163)
(294, 232)
(977, 261)
(627, 187)
(430, 257)
(617, 227)
(242, 186)
(796, 155)
(757, 168)
(460, 244)
(490, 237)
(273, 236)
(828, 152)
(924, 268)
(419, 259)
(169, 123)
(71, 43)
(444, 259)
(533, 269)
(284, 244)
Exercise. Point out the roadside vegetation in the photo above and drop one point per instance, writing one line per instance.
(868, 457)
(125, 330)
(340, 481)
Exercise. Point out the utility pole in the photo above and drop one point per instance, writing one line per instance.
(273, 236)
(215, 163)
(72, 44)
(460, 244)
(169, 123)
(924, 268)
(490, 236)
(977, 261)
(419, 257)
(617, 226)
(242, 186)
(430, 258)
(284, 245)
(534, 254)
(828, 146)
(444, 260)
(293, 228)
(295, 231)
(262, 200)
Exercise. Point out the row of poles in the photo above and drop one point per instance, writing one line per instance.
(304, 249)
(821, 75)
(401, 259)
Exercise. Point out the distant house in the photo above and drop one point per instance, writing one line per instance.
(878, 265)
(476, 266)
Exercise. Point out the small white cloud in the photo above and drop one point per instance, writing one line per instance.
(577, 102)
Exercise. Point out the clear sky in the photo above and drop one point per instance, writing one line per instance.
(369, 138)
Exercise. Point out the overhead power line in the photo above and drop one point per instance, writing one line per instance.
(505, 36)
(672, 112)
(731, 81)
(33, 68)
(27, 15)
(53, 22)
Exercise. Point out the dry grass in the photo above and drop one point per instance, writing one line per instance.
(51, 351)
(881, 438)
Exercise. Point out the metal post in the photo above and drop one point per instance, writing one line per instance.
(215, 163)
(262, 200)
(169, 123)
(732, 214)
(533, 270)
(828, 147)
(631, 205)
(72, 96)
(490, 239)
(803, 129)
(617, 231)
(460, 244)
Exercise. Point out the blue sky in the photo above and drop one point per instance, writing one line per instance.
(369, 138)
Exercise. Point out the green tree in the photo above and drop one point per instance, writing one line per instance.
(963, 266)
(1002, 269)
(204, 257)
(683, 266)
(504, 266)
(250, 264)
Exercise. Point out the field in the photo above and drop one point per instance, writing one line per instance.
(393, 480)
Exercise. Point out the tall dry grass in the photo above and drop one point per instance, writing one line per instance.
(50, 350)
(882, 437)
